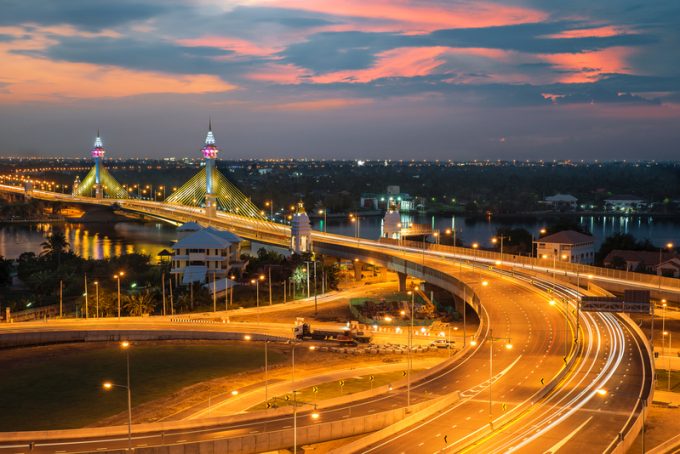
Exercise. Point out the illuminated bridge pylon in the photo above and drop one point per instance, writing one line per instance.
(210, 189)
(99, 182)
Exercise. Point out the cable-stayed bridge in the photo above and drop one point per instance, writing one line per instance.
(510, 309)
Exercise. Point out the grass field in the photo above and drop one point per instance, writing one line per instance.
(333, 389)
(63, 389)
(662, 380)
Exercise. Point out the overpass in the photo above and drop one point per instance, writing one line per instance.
(532, 380)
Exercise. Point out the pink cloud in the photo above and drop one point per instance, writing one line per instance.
(420, 15)
(239, 46)
(400, 62)
(595, 32)
(589, 66)
(278, 74)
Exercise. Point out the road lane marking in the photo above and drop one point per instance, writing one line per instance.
(556, 447)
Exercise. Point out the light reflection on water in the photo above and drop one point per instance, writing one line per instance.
(658, 231)
(102, 240)
(90, 241)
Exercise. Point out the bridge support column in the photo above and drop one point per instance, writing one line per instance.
(98, 191)
(402, 281)
(357, 269)
(210, 205)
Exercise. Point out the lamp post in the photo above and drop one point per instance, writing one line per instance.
(118, 278)
(668, 246)
(357, 221)
(500, 238)
(670, 341)
(474, 256)
(325, 219)
(663, 326)
(566, 313)
(410, 346)
(96, 291)
(125, 345)
(270, 205)
(508, 346)
(257, 293)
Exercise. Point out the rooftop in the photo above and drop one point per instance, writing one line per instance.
(567, 237)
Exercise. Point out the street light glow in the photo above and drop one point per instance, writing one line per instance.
(107, 385)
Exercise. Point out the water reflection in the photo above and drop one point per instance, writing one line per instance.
(90, 241)
(659, 231)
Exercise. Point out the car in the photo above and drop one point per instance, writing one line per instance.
(442, 343)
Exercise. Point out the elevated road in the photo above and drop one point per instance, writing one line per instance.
(507, 396)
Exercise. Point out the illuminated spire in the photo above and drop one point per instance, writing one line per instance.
(98, 149)
(210, 150)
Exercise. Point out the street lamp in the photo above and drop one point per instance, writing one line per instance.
(96, 288)
(508, 346)
(118, 278)
(410, 345)
(670, 341)
(247, 337)
(357, 221)
(325, 219)
(108, 386)
(500, 238)
(270, 205)
(257, 292)
(474, 256)
(663, 326)
(668, 246)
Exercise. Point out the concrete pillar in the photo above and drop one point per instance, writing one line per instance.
(98, 191)
(357, 270)
(402, 281)
(210, 205)
(459, 304)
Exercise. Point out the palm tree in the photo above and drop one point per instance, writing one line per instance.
(55, 244)
(140, 303)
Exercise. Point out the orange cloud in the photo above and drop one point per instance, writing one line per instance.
(25, 78)
(595, 32)
(588, 66)
(420, 15)
(319, 104)
(279, 74)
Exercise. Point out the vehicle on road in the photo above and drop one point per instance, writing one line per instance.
(442, 343)
(344, 334)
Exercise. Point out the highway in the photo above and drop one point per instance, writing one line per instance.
(512, 313)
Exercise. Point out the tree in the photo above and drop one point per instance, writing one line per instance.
(6, 268)
(517, 241)
(55, 245)
(141, 303)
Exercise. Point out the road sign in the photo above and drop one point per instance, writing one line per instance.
(342, 383)
(315, 389)
(371, 378)
(633, 301)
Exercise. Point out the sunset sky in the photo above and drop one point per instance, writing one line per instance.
(399, 79)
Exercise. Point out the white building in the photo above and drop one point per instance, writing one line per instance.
(624, 203)
(201, 255)
(560, 202)
(300, 231)
(568, 245)
(669, 268)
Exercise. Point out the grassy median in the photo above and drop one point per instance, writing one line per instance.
(58, 387)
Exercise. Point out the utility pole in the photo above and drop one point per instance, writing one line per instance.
(270, 285)
(61, 299)
(172, 305)
(163, 285)
(86, 296)
(316, 308)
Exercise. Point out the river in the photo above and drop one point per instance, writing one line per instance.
(102, 240)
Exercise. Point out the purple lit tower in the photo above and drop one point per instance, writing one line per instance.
(210, 151)
(98, 153)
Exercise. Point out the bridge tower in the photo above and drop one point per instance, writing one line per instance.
(210, 151)
(98, 153)
(301, 231)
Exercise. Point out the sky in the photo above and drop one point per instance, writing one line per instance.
(346, 79)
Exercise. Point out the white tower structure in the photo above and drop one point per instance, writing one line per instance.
(392, 223)
(209, 152)
(301, 231)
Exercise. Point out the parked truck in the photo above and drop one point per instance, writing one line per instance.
(349, 334)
